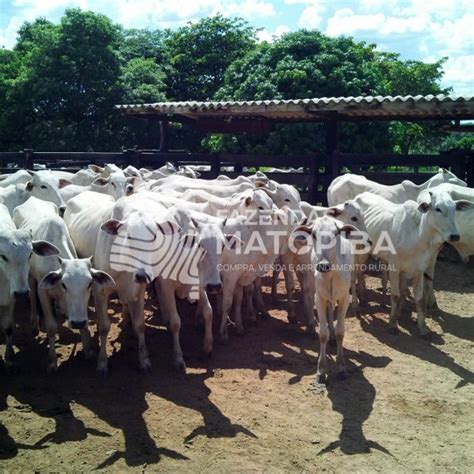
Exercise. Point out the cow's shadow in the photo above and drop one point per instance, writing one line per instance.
(354, 398)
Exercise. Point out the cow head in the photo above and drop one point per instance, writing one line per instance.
(440, 208)
(74, 279)
(16, 250)
(45, 185)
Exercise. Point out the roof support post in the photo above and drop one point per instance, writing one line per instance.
(331, 146)
(164, 135)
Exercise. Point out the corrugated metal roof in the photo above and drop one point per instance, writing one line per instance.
(409, 107)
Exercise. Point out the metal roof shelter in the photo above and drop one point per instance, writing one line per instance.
(259, 116)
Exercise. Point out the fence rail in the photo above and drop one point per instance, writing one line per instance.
(311, 174)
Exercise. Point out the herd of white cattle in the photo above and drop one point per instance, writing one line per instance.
(59, 231)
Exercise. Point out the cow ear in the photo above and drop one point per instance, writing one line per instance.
(50, 280)
(168, 227)
(305, 229)
(29, 185)
(463, 205)
(44, 249)
(260, 184)
(195, 222)
(334, 212)
(102, 279)
(111, 226)
(64, 182)
(424, 207)
(100, 181)
(96, 168)
(347, 230)
(188, 240)
(233, 241)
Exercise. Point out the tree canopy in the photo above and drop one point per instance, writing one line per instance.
(60, 82)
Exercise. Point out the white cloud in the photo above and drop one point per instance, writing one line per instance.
(346, 22)
(459, 73)
(312, 15)
(265, 35)
(135, 13)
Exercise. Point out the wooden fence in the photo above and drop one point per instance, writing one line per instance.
(311, 174)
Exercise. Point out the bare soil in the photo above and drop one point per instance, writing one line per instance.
(407, 404)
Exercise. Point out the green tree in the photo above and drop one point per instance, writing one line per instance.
(143, 81)
(201, 52)
(64, 94)
(300, 65)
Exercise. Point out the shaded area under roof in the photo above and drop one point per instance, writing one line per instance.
(259, 115)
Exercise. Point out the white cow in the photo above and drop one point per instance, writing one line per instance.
(84, 215)
(20, 176)
(464, 220)
(265, 240)
(16, 248)
(332, 261)
(41, 184)
(45, 185)
(201, 201)
(131, 227)
(203, 235)
(66, 281)
(84, 177)
(348, 213)
(414, 232)
(348, 186)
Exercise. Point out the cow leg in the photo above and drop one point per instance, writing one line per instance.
(275, 275)
(395, 299)
(87, 343)
(51, 327)
(384, 277)
(339, 333)
(249, 292)
(330, 321)
(321, 307)
(430, 297)
(307, 283)
(168, 300)
(259, 303)
(361, 288)
(7, 323)
(205, 308)
(103, 328)
(227, 298)
(137, 315)
(420, 303)
(290, 289)
(354, 297)
(34, 321)
(238, 296)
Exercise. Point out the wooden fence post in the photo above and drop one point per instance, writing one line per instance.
(28, 161)
(469, 160)
(215, 166)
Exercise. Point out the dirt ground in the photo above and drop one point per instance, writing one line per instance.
(407, 404)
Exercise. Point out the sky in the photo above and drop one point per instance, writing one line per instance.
(417, 29)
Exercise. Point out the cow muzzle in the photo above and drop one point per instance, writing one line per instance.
(21, 294)
(213, 289)
(323, 267)
(78, 324)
